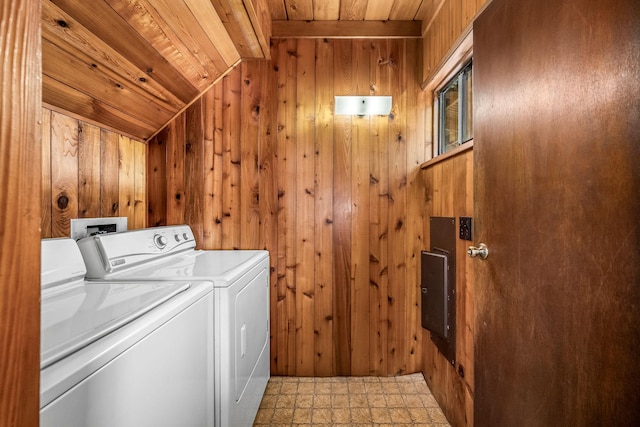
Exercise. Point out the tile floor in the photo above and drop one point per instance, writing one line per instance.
(349, 401)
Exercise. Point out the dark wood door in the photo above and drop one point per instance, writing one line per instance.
(557, 187)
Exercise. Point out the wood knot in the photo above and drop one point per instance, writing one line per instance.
(63, 202)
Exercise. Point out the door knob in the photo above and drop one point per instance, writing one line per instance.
(481, 251)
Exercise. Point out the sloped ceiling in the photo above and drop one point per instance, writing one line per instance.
(133, 65)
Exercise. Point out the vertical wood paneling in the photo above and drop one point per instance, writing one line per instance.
(285, 356)
(175, 170)
(140, 190)
(250, 99)
(231, 161)
(194, 170)
(126, 179)
(447, 26)
(323, 222)
(20, 210)
(416, 155)
(45, 220)
(329, 196)
(109, 171)
(157, 179)
(268, 178)
(342, 74)
(64, 173)
(88, 171)
(209, 224)
(305, 212)
(398, 340)
(216, 191)
(360, 218)
(448, 190)
(378, 216)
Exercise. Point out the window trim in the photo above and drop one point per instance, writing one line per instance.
(459, 56)
(462, 107)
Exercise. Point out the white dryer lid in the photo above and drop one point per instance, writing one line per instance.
(74, 316)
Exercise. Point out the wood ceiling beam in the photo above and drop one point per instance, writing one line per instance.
(347, 29)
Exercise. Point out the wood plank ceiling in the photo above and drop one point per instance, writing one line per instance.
(133, 65)
(348, 10)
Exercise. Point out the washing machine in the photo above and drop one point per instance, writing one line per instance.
(118, 354)
(240, 303)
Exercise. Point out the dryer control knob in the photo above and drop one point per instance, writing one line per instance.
(177, 237)
(160, 241)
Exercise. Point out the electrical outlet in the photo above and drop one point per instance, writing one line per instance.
(466, 228)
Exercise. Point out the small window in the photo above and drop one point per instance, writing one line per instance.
(455, 111)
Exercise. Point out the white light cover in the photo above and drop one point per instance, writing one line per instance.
(363, 105)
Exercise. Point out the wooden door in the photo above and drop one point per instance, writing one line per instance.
(557, 187)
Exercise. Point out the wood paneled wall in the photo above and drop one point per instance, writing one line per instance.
(444, 30)
(448, 187)
(261, 162)
(20, 91)
(89, 172)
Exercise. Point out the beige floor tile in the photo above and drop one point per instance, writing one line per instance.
(413, 401)
(390, 388)
(339, 388)
(321, 415)
(264, 415)
(400, 416)
(377, 401)
(373, 387)
(304, 401)
(286, 401)
(302, 415)
(282, 415)
(306, 388)
(289, 388)
(360, 415)
(322, 401)
(358, 401)
(323, 388)
(436, 415)
(419, 415)
(394, 400)
(340, 400)
(341, 415)
(356, 388)
(349, 401)
(429, 401)
(269, 401)
(380, 415)
(407, 388)
(273, 388)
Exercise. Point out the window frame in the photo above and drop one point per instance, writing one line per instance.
(457, 58)
(463, 100)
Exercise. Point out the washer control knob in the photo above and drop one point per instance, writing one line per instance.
(160, 241)
(185, 236)
(177, 237)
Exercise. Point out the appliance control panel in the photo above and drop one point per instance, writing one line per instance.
(108, 253)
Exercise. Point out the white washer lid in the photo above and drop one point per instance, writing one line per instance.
(74, 316)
